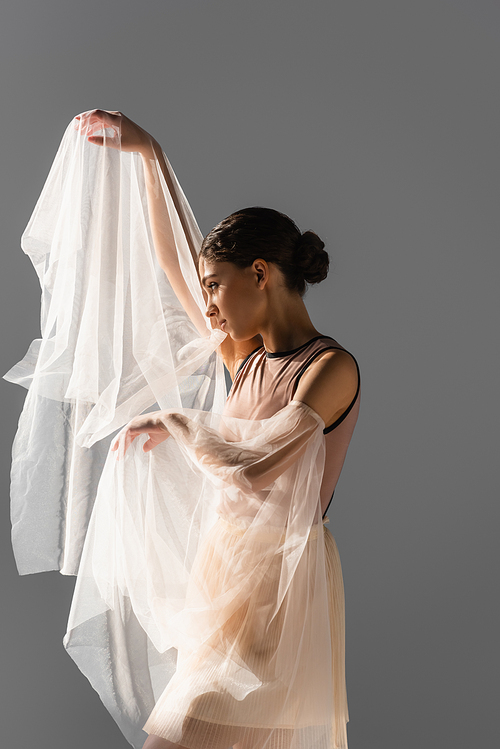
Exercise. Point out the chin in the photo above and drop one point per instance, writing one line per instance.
(244, 337)
(239, 335)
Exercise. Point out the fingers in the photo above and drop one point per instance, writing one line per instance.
(127, 439)
(97, 120)
(127, 436)
(100, 115)
(155, 432)
(123, 441)
(100, 140)
(148, 446)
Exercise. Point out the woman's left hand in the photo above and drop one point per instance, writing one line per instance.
(150, 424)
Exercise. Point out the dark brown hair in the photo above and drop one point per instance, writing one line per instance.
(265, 233)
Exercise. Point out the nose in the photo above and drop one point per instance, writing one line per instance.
(211, 310)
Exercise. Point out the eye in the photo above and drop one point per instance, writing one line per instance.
(211, 285)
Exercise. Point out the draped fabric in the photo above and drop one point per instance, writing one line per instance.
(115, 340)
(208, 607)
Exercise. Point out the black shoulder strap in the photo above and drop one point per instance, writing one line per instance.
(247, 358)
(351, 405)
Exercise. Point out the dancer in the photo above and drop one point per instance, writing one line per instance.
(257, 629)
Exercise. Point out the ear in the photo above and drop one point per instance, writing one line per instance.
(261, 270)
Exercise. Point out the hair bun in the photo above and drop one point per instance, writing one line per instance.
(312, 258)
(264, 233)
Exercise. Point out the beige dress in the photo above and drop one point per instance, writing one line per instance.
(270, 713)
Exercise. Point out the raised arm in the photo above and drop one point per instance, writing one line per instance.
(172, 221)
(161, 181)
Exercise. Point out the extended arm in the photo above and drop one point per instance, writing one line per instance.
(255, 463)
(324, 393)
(252, 462)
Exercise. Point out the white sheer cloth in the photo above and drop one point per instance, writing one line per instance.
(115, 339)
(206, 610)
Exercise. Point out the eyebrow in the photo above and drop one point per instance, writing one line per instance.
(205, 278)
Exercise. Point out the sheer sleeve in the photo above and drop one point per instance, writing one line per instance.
(252, 464)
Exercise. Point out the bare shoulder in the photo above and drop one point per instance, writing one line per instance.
(329, 385)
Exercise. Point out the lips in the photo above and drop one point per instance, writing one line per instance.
(221, 324)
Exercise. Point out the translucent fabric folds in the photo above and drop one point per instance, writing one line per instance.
(115, 340)
(227, 595)
(208, 607)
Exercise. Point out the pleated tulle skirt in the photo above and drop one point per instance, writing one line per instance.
(231, 688)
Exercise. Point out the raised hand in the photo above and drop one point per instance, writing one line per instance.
(125, 135)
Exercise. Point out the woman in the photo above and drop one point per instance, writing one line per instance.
(253, 268)
(255, 619)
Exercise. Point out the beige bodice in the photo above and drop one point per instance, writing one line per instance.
(266, 382)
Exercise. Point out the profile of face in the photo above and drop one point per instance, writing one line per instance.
(236, 297)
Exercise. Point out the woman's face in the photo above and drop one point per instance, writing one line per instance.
(236, 302)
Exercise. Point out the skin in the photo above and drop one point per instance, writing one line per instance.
(252, 305)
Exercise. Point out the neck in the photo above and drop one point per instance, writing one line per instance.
(288, 325)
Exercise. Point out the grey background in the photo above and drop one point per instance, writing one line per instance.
(376, 125)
